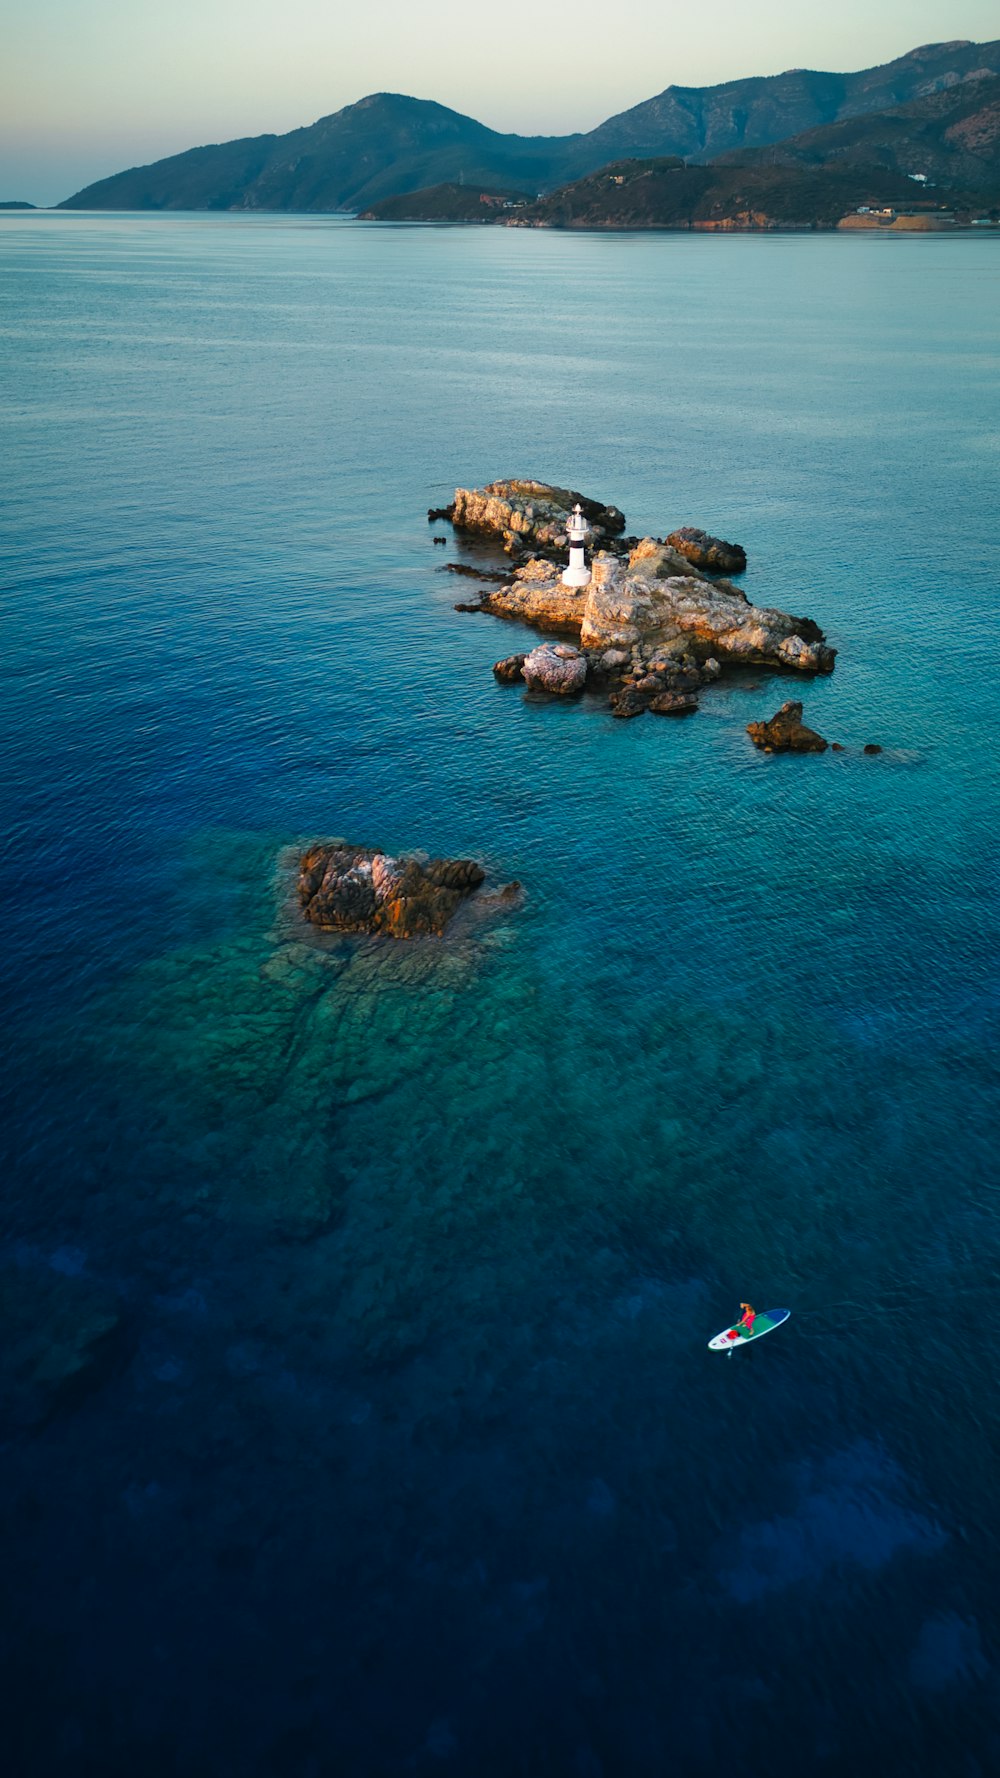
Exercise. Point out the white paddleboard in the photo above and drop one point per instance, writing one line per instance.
(765, 1323)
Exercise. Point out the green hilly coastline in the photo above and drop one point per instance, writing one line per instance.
(938, 153)
(448, 203)
(388, 144)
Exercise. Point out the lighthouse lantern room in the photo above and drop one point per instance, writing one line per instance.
(577, 574)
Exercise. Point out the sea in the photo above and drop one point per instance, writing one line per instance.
(361, 1421)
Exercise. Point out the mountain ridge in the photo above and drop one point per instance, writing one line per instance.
(388, 144)
(941, 151)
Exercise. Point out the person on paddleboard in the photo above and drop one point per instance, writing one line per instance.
(745, 1323)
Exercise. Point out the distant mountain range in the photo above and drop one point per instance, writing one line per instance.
(938, 152)
(388, 144)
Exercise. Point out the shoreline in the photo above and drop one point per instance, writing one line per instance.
(974, 230)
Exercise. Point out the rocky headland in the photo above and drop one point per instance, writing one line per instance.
(653, 625)
(346, 888)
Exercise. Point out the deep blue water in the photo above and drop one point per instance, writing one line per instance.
(413, 1458)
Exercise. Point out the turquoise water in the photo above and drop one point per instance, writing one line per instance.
(414, 1458)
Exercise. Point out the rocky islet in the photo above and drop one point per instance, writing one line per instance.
(659, 620)
(358, 889)
(785, 732)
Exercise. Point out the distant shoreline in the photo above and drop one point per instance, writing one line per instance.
(917, 231)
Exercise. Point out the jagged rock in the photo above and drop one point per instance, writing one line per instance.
(60, 1337)
(657, 560)
(786, 732)
(519, 511)
(613, 660)
(555, 667)
(711, 553)
(674, 703)
(639, 603)
(509, 669)
(348, 888)
(440, 512)
(628, 702)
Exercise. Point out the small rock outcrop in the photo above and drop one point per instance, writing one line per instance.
(786, 732)
(713, 554)
(522, 513)
(673, 703)
(555, 667)
(509, 670)
(346, 888)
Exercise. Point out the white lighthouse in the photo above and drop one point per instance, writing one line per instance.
(577, 574)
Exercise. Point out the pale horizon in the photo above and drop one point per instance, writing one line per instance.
(85, 96)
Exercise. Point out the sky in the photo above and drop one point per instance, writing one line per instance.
(89, 87)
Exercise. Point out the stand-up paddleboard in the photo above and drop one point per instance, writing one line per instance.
(765, 1322)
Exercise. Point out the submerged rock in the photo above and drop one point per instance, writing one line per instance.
(356, 889)
(711, 553)
(60, 1337)
(522, 512)
(871, 747)
(555, 667)
(786, 732)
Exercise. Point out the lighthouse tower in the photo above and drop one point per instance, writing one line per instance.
(577, 574)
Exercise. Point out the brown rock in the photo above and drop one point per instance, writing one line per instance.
(786, 732)
(713, 554)
(520, 511)
(871, 747)
(508, 671)
(345, 888)
(674, 703)
(628, 702)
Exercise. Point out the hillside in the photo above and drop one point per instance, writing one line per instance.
(669, 194)
(940, 151)
(951, 138)
(381, 146)
(445, 203)
(700, 123)
(388, 144)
